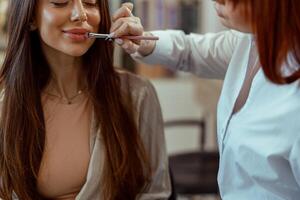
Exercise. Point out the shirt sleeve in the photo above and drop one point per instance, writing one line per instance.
(152, 133)
(207, 56)
(295, 160)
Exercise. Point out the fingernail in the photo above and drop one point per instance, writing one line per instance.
(112, 34)
(125, 46)
(119, 41)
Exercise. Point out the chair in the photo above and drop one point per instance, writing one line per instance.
(173, 195)
(194, 173)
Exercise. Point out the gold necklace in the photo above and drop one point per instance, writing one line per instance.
(66, 99)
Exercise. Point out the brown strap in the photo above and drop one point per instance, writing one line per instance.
(253, 67)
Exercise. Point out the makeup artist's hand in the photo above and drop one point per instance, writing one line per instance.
(124, 24)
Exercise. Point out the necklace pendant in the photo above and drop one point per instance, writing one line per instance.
(66, 100)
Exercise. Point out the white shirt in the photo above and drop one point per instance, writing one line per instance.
(259, 145)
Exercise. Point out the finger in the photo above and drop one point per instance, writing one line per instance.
(120, 41)
(118, 23)
(124, 11)
(129, 46)
(128, 5)
(129, 29)
(138, 42)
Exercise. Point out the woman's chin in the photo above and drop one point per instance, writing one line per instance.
(75, 52)
(75, 49)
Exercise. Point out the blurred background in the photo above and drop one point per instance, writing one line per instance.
(188, 103)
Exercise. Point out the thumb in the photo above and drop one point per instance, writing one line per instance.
(128, 5)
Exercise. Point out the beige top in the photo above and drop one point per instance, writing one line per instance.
(67, 153)
(74, 155)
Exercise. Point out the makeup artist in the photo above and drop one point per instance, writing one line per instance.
(259, 108)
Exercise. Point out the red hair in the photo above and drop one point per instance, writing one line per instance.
(276, 25)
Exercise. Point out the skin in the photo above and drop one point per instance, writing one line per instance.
(53, 19)
(124, 23)
(233, 17)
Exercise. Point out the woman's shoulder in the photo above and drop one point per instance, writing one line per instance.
(141, 94)
(133, 82)
(237, 37)
(238, 34)
(136, 87)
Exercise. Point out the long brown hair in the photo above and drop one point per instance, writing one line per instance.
(24, 75)
(276, 25)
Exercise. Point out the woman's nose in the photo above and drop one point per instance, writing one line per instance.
(78, 12)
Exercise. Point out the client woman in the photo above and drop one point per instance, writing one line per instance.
(72, 127)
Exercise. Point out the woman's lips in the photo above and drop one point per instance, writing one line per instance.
(78, 35)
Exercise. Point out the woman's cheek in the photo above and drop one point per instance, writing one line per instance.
(94, 20)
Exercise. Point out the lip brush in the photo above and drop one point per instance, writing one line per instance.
(110, 37)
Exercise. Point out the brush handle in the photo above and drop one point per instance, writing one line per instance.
(139, 37)
(129, 37)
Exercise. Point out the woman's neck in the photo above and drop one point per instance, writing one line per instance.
(66, 74)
